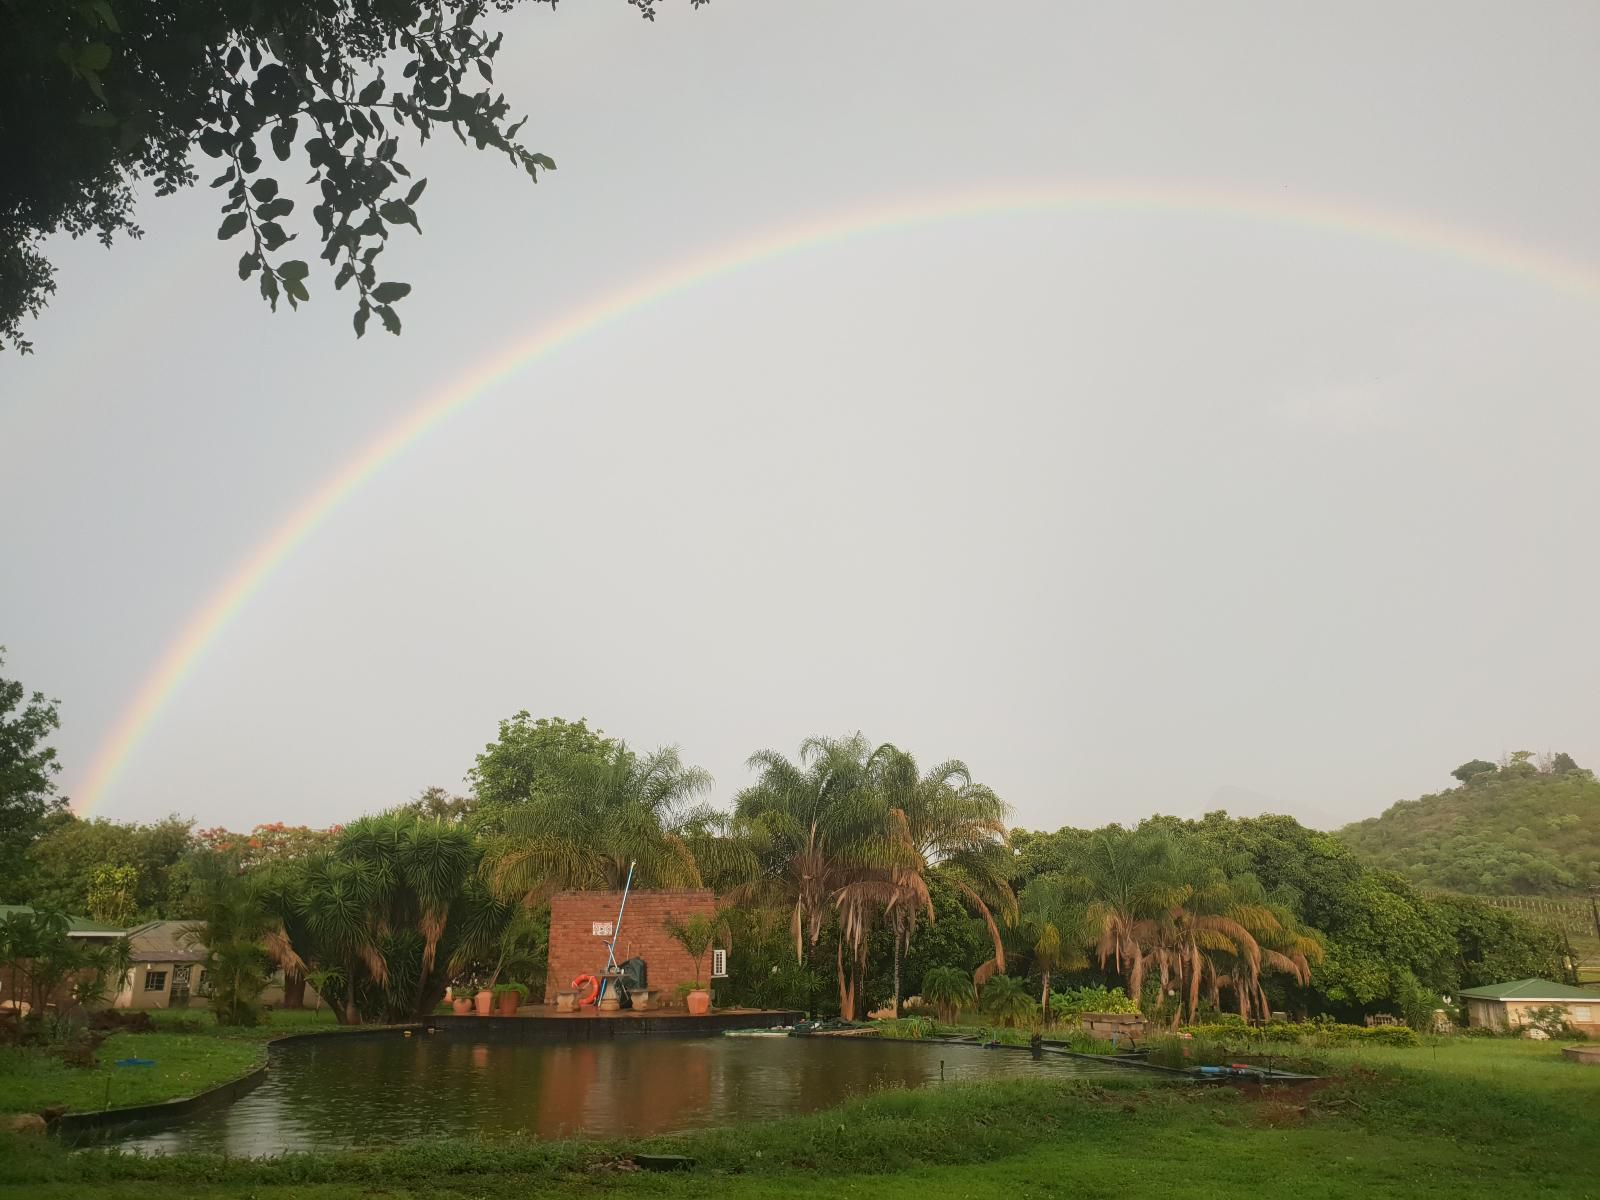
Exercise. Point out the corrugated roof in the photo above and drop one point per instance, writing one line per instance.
(1531, 989)
(82, 926)
(164, 941)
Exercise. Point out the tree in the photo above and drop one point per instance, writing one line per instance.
(696, 935)
(532, 759)
(1055, 928)
(942, 821)
(1128, 879)
(1006, 999)
(99, 97)
(824, 829)
(386, 907)
(950, 990)
(62, 863)
(111, 895)
(599, 819)
(1468, 771)
(236, 929)
(28, 766)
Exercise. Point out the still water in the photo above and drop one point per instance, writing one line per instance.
(331, 1093)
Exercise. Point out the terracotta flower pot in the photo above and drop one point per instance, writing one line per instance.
(506, 1003)
(462, 1005)
(484, 1001)
(699, 1002)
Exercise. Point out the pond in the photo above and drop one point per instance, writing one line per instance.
(331, 1093)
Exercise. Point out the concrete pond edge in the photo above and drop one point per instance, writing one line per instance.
(73, 1125)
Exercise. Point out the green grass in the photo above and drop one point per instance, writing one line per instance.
(191, 1053)
(32, 1080)
(1478, 1118)
(274, 1024)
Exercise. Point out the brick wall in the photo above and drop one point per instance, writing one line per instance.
(575, 950)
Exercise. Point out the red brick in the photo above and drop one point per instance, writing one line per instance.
(575, 950)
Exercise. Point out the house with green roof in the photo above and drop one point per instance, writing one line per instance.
(1508, 1005)
(77, 927)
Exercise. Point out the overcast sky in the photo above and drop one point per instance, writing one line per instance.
(1132, 510)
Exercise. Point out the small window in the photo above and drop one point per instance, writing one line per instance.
(719, 964)
(155, 981)
(1581, 1014)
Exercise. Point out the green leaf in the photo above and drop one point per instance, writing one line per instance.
(390, 293)
(225, 177)
(96, 56)
(362, 314)
(296, 291)
(282, 137)
(390, 318)
(264, 189)
(273, 209)
(247, 264)
(269, 289)
(397, 212)
(484, 69)
(416, 191)
(372, 92)
(293, 269)
(107, 18)
(231, 224)
(272, 235)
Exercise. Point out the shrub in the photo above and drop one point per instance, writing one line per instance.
(1310, 1033)
(521, 989)
(1008, 999)
(949, 989)
(1074, 1002)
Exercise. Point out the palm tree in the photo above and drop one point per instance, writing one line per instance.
(949, 989)
(602, 815)
(941, 821)
(823, 830)
(378, 907)
(1128, 879)
(1006, 999)
(1055, 926)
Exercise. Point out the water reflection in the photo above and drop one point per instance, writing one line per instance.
(331, 1093)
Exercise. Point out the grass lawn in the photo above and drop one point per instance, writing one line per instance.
(1475, 1118)
(191, 1053)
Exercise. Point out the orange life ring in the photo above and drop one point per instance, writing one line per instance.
(594, 988)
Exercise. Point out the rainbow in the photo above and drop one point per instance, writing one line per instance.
(206, 624)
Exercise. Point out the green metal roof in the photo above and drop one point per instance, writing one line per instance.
(1531, 989)
(83, 926)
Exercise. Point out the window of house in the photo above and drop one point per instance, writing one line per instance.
(155, 981)
(1581, 1014)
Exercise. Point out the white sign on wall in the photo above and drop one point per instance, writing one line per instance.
(719, 964)
(603, 928)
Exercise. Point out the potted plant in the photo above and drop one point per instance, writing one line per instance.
(696, 936)
(461, 999)
(508, 996)
(483, 1001)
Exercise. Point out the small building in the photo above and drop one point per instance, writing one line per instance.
(168, 968)
(79, 929)
(1507, 1005)
(582, 925)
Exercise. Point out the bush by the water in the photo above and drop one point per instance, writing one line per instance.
(1072, 1003)
(1311, 1033)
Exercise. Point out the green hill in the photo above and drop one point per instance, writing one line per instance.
(1517, 829)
